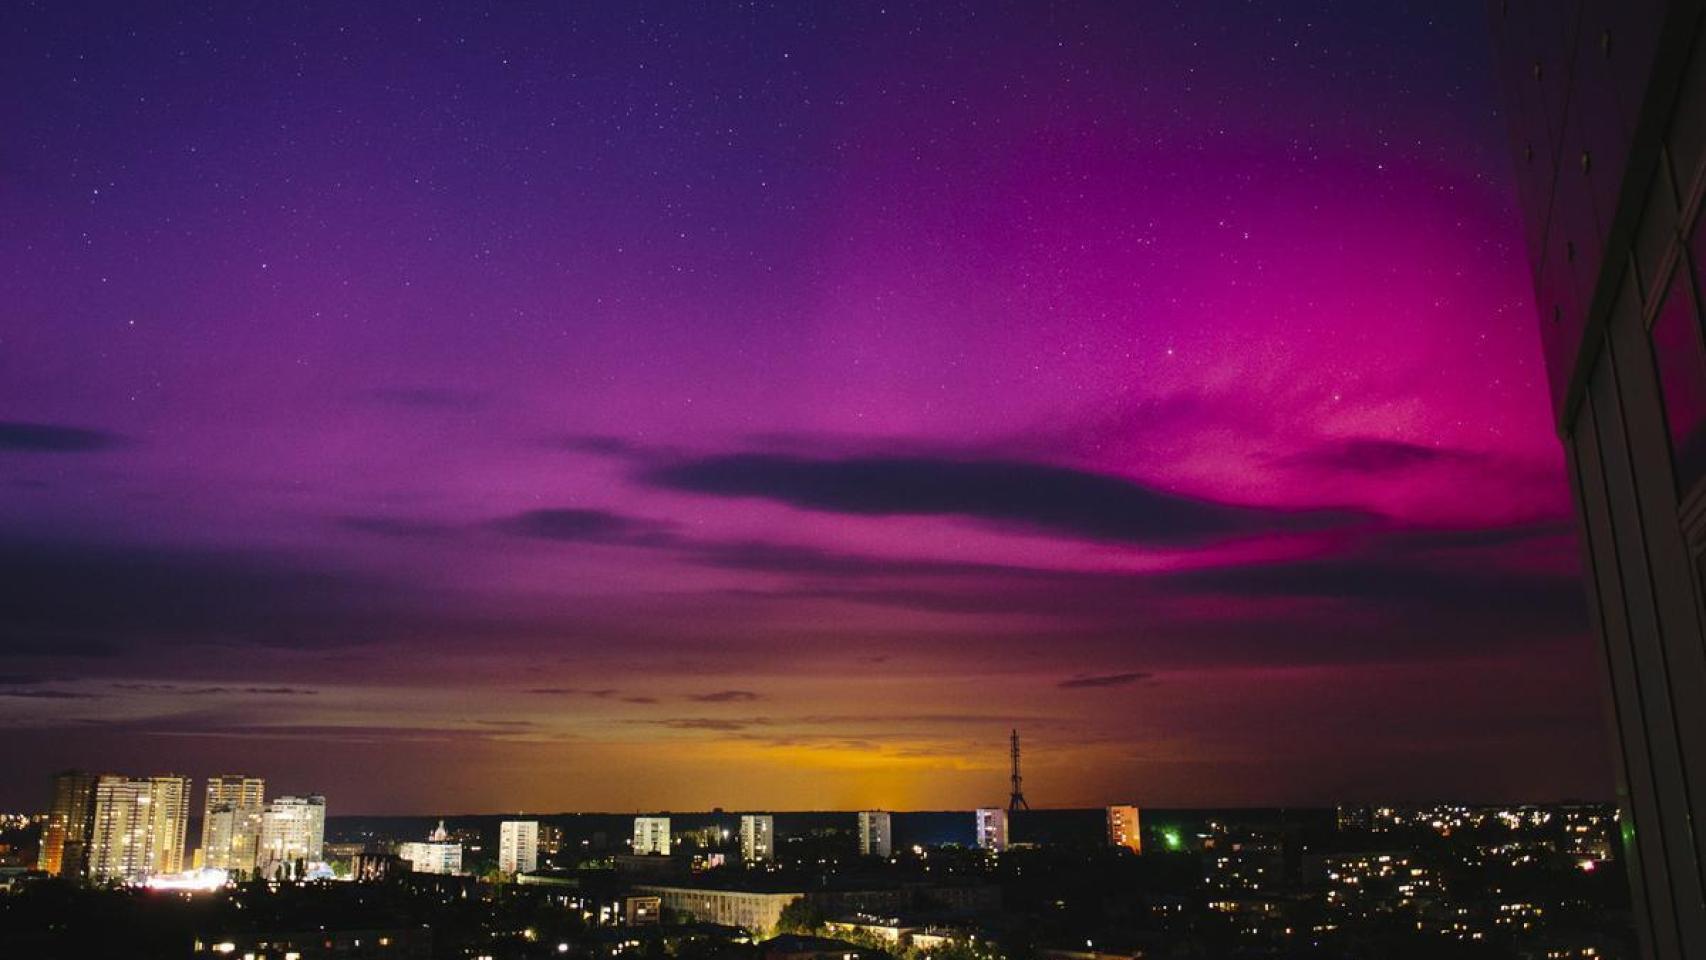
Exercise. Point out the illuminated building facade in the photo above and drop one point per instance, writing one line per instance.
(758, 911)
(1124, 828)
(231, 822)
(518, 846)
(439, 854)
(992, 829)
(139, 827)
(876, 835)
(757, 837)
(1607, 108)
(70, 820)
(651, 835)
(293, 831)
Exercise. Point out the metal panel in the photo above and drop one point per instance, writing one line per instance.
(1644, 847)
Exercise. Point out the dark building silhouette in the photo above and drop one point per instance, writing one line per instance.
(1607, 108)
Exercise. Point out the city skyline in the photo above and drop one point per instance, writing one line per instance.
(534, 395)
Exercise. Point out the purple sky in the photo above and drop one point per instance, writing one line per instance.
(624, 406)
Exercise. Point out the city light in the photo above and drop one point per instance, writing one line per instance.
(204, 880)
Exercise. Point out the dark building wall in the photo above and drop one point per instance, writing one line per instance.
(1607, 107)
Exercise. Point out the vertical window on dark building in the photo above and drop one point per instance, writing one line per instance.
(1681, 360)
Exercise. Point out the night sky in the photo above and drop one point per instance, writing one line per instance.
(612, 406)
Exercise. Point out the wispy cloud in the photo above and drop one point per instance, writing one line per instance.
(54, 438)
(184, 690)
(577, 525)
(726, 696)
(1103, 680)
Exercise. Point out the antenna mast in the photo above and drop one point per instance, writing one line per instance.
(1016, 801)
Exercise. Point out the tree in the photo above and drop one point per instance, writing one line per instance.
(800, 916)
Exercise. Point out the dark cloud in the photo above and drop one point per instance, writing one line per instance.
(919, 719)
(754, 555)
(603, 693)
(1103, 680)
(1402, 584)
(639, 699)
(1372, 455)
(770, 725)
(1393, 595)
(718, 724)
(726, 696)
(354, 733)
(81, 599)
(1035, 496)
(1484, 538)
(47, 695)
(179, 690)
(53, 438)
(396, 527)
(587, 526)
(1399, 583)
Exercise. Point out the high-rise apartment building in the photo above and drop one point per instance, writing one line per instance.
(70, 820)
(1607, 108)
(992, 829)
(1124, 828)
(757, 837)
(292, 835)
(518, 846)
(651, 835)
(439, 854)
(139, 827)
(875, 836)
(231, 822)
(550, 840)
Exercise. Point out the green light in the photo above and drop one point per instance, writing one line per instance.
(1172, 840)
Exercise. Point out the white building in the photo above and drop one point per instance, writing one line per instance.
(293, 832)
(518, 846)
(757, 837)
(231, 822)
(757, 912)
(651, 835)
(139, 827)
(230, 838)
(439, 854)
(875, 837)
(992, 829)
(1124, 828)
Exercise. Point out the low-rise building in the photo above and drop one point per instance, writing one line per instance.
(753, 910)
